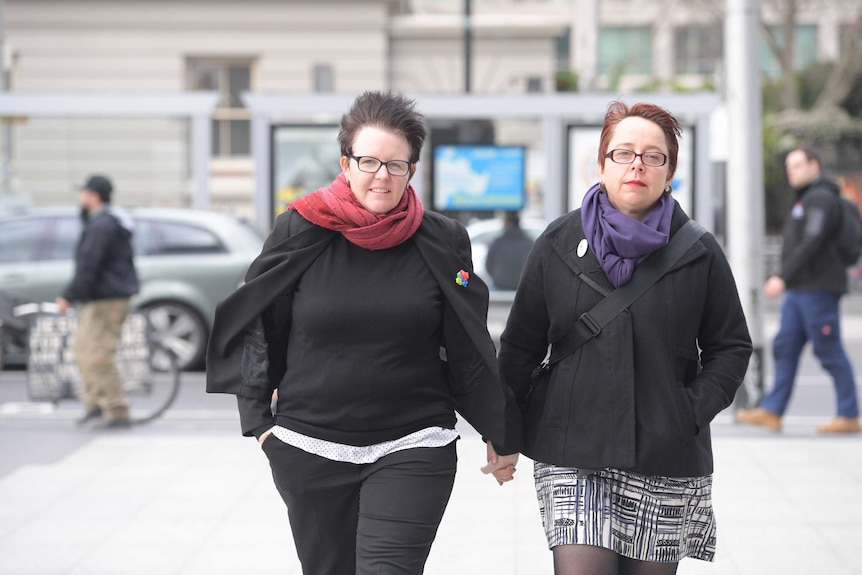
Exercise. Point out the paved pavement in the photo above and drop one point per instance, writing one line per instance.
(185, 495)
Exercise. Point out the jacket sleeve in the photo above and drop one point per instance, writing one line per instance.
(474, 382)
(724, 342)
(264, 353)
(524, 342)
(822, 216)
(255, 396)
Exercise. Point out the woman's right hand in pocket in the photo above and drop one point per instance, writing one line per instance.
(264, 435)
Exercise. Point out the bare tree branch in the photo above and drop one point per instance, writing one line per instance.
(846, 69)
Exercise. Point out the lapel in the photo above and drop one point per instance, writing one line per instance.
(470, 302)
(568, 235)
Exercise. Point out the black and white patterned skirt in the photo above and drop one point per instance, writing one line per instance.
(660, 519)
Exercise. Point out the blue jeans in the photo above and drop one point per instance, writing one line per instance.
(811, 316)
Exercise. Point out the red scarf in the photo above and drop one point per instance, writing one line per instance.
(336, 208)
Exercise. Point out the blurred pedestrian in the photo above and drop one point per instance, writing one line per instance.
(363, 313)
(508, 253)
(619, 426)
(813, 279)
(105, 279)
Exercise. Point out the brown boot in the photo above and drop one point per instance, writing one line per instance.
(759, 416)
(841, 425)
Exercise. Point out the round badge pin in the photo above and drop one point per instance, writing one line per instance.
(582, 248)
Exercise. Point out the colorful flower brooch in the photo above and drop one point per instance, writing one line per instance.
(462, 278)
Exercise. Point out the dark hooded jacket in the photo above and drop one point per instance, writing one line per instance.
(240, 361)
(641, 394)
(809, 257)
(104, 268)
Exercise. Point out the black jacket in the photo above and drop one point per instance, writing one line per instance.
(104, 268)
(240, 362)
(507, 256)
(809, 257)
(640, 395)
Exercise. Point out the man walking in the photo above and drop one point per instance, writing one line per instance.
(814, 278)
(104, 281)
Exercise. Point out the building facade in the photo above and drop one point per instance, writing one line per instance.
(333, 46)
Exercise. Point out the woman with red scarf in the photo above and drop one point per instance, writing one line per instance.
(363, 313)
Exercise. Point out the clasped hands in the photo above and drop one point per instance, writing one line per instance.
(502, 467)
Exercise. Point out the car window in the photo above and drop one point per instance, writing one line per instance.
(63, 238)
(144, 240)
(19, 241)
(175, 238)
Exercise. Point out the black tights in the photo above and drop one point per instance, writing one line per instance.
(592, 560)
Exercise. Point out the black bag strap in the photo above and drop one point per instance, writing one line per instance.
(656, 265)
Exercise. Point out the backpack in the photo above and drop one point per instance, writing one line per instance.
(848, 238)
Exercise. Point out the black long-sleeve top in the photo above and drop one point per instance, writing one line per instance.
(363, 333)
(244, 360)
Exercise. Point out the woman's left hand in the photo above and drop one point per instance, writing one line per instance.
(503, 467)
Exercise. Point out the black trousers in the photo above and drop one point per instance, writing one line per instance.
(369, 519)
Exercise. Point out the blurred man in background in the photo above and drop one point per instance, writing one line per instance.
(508, 253)
(105, 280)
(813, 278)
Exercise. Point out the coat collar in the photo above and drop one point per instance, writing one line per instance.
(566, 233)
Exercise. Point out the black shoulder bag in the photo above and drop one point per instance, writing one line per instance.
(590, 323)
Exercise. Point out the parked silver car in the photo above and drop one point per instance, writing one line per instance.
(187, 261)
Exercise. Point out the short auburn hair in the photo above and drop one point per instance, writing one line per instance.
(618, 111)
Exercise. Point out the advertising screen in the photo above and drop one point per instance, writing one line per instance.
(470, 177)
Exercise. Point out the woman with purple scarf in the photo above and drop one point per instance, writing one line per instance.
(619, 428)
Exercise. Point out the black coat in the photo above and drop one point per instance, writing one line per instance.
(809, 256)
(234, 356)
(641, 395)
(104, 265)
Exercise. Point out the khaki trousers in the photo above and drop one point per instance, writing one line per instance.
(96, 339)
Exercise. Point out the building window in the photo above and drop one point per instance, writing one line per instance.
(697, 49)
(231, 126)
(534, 84)
(804, 52)
(625, 50)
(324, 78)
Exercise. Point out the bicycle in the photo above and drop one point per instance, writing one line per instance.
(51, 372)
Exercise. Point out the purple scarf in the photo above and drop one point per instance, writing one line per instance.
(621, 242)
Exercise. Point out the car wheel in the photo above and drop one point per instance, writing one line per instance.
(180, 331)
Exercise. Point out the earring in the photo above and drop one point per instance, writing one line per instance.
(668, 189)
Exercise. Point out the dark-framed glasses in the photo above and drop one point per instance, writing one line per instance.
(653, 159)
(370, 164)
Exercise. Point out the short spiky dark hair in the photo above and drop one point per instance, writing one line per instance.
(391, 112)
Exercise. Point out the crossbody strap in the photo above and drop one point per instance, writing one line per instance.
(656, 265)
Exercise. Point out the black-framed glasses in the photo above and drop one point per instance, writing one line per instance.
(371, 165)
(653, 159)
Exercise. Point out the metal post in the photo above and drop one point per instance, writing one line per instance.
(585, 44)
(201, 142)
(745, 197)
(468, 48)
(5, 123)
